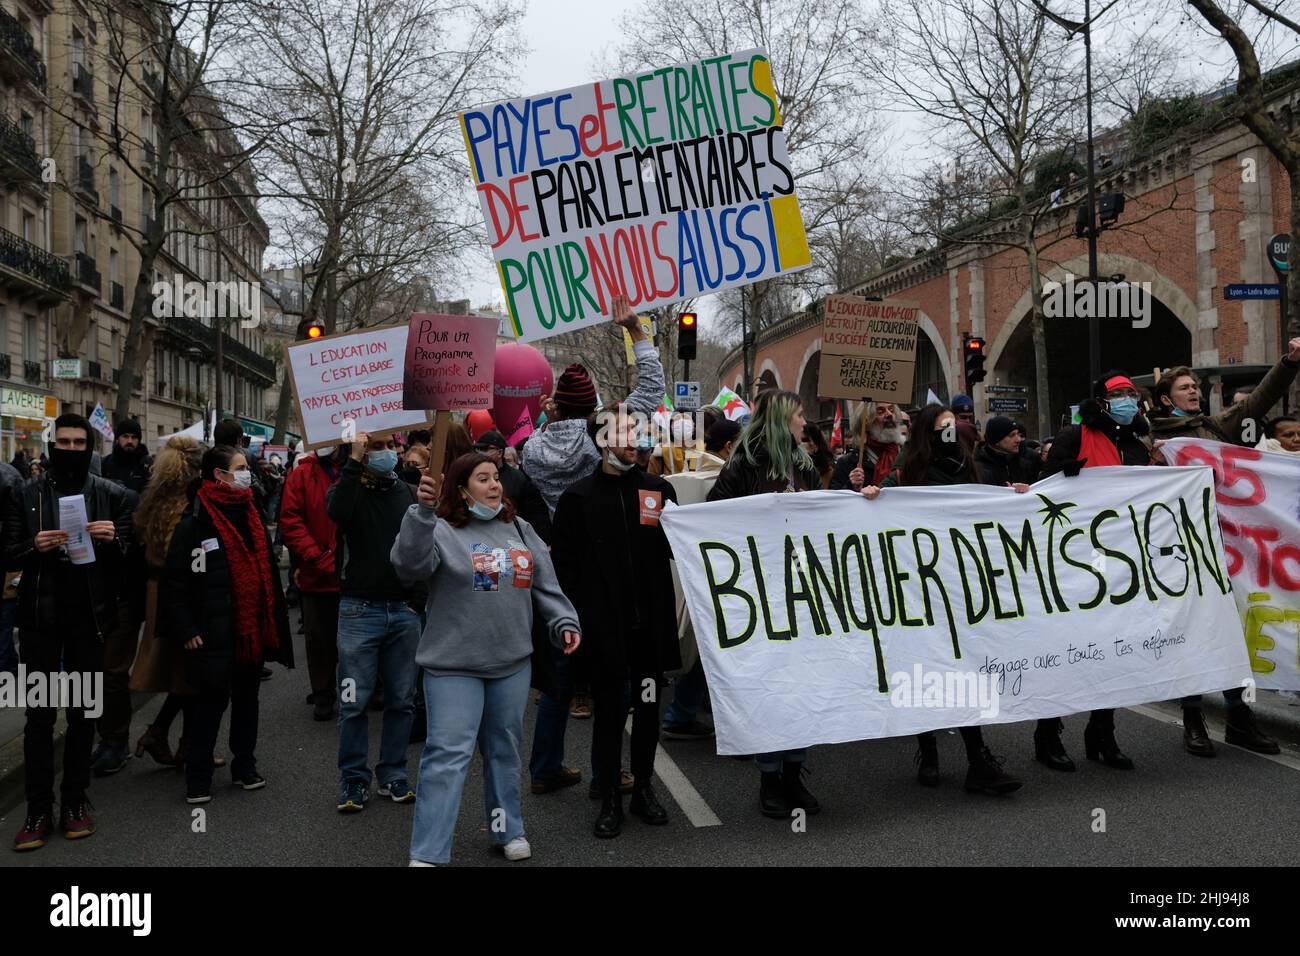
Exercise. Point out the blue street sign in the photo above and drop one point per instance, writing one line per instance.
(1254, 290)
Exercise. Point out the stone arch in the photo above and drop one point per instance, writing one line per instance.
(1108, 263)
(766, 369)
(809, 354)
(941, 349)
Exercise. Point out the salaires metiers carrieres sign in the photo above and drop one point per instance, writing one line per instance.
(663, 185)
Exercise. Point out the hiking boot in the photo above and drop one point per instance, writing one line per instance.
(797, 796)
(1196, 739)
(1242, 732)
(644, 805)
(75, 820)
(36, 830)
(772, 796)
(985, 775)
(1048, 749)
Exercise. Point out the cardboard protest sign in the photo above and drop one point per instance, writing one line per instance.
(662, 186)
(1258, 494)
(449, 362)
(351, 382)
(868, 349)
(824, 618)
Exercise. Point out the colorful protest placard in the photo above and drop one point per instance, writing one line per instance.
(449, 362)
(661, 186)
(824, 618)
(868, 348)
(1258, 495)
(351, 382)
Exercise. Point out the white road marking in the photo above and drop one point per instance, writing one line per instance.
(1155, 713)
(688, 798)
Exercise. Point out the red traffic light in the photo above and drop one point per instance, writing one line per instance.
(687, 318)
(314, 331)
(974, 345)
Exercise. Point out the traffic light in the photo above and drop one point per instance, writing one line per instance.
(687, 324)
(1110, 206)
(973, 351)
(310, 329)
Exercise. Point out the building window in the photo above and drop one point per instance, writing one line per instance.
(29, 227)
(112, 266)
(81, 235)
(113, 188)
(27, 124)
(31, 339)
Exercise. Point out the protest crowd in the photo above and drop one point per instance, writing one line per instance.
(438, 603)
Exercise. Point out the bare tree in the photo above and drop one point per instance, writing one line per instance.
(1240, 26)
(382, 83)
(823, 94)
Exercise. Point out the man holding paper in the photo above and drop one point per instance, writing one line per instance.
(69, 549)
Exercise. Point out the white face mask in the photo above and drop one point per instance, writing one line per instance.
(243, 479)
(683, 430)
(618, 463)
(325, 452)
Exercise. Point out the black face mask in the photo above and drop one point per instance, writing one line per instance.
(69, 467)
(947, 451)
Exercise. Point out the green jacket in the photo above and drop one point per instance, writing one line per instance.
(1227, 426)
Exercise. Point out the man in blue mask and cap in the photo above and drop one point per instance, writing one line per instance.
(378, 631)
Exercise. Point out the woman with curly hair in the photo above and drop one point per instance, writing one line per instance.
(159, 667)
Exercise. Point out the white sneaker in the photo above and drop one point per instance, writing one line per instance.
(517, 849)
(420, 863)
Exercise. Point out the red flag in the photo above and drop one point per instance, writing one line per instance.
(837, 437)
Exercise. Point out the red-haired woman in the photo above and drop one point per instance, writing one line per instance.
(488, 573)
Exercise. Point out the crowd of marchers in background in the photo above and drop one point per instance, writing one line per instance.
(440, 601)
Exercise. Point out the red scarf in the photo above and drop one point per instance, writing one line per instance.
(886, 455)
(1096, 446)
(256, 630)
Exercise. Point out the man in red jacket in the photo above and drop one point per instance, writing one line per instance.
(311, 534)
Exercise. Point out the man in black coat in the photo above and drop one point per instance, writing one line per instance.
(1001, 458)
(611, 556)
(130, 461)
(66, 610)
(528, 501)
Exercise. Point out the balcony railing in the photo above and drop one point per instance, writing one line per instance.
(32, 372)
(18, 152)
(117, 295)
(86, 273)
(18, 54)
(41, 268)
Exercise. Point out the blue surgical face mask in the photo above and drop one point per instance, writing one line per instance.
(482, 511)
(382, 461)
(1179, 413)
(1123, 410)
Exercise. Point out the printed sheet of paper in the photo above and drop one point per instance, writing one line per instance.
(72, 519)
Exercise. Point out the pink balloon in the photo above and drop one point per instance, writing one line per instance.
(523, 376)
(478, 422)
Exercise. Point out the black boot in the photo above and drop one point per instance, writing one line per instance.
(1242, 732)
(927, 760)
(796, 794)
(1048, 749)
(610, 821)
(1099, 743)
(644, 805)
(771, 796)
(985, 775)
(1196, 739)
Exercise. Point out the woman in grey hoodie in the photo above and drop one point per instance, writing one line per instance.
(487, 572)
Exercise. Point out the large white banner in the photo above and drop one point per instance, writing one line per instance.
(822, 617)
(1258, 494)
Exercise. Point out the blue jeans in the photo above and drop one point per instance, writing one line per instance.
(769, 763)
(688, 695)
(375, 638)
(8, 656)
(462, 710)
(552, 721)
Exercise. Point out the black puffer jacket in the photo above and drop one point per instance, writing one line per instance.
(202, 602)
(38, 593)
(741, 478)
(1002, 468)
(1066, 447)
(129, 471)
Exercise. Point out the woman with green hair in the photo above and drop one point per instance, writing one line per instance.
(770, 457)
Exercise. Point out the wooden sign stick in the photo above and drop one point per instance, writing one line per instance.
(441, 425)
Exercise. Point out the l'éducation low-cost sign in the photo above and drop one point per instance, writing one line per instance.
(663, 185)
(449, 362)
(820, 615)
(351, 382)
(868, 348)
(1258, 495)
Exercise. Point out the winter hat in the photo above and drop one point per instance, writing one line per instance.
(128, 426)
(999, 427)
(492, 439)
(575, 391)
(962, 403)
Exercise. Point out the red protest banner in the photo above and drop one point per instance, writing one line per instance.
(450, 360)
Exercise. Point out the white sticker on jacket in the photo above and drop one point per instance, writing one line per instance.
(211, 544)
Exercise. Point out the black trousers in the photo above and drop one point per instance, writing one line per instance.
(609, 699)
(320, 621)
(220, 681)
(119, 654)
(76, 651)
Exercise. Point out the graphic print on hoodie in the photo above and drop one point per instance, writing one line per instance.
(515, 561)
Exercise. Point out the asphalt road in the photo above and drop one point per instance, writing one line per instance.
(1237, 809)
